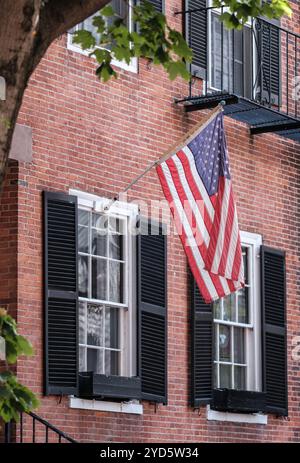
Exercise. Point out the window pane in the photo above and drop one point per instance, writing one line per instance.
(99, 243)
(82, 351)
(83, 217)
(217, 309)
(112, 328)
(240, 378)
(224, 343)
(115, 281)
(82, 323)
(229, 307)
(83, 276)
(216, 366)
(239, 345)
(225, 376)
(111, 362)
(243, 305)
(115, 246)
(95, 360)
(99, 220)
(99, 278)
(83, 239)
(94, 325)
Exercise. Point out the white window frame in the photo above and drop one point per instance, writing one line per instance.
(131, 67)
(253, 359)
(209, 60)
(130, 211)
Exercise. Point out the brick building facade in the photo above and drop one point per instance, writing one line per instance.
(94, 138)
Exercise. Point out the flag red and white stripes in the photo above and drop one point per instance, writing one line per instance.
(197, 184)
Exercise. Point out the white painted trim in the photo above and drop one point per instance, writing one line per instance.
(252, 418)
(98, 204)
(132, 407)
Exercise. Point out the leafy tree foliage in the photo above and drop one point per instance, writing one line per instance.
(14, 397)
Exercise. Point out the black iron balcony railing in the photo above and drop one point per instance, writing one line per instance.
(255, 69)
(33, 429)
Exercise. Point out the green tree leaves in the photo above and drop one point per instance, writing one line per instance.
(154, 40)
(236, 12)
(14, 397)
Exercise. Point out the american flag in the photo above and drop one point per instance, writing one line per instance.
(197, 185)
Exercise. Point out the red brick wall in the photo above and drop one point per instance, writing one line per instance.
(95, 137)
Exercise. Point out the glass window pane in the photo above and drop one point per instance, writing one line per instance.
(242, 298)
(83, 217)
(115, 281)
(82, 351)
(115, 246)
(229, 307)
(83, 239)
(82, 323)
(112, 328)
(99, 278)
(217, 309)
(99, 220)
(225, 376)
(95, 360)
(111, 363)
(215, 380)
(94, 325)
(114, 225)
(83, 276)
(240, 378)
(99, 243)
(224, 343)
(239, 345)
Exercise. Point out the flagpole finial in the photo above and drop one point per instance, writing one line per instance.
(222, 103)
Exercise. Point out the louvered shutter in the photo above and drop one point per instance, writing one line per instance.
(61, 311)
(152, 301)
(269, 57)
(202, 348)
(274, 330)
(158, 5)
(196, 35)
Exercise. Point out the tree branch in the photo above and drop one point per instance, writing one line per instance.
(58, 16)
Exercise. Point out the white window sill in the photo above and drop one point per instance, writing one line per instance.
(132, 407)
(131, 67)
(254, 418)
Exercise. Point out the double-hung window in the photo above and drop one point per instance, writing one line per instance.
(106, 309)
(243, 62)
(235, 345)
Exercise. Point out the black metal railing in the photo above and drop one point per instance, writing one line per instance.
(260, 62)
(33, 429)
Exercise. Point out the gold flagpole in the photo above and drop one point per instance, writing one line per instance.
(176, 147)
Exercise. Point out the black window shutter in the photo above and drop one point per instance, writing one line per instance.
(269, 56)
(61, 293)
(196, 35)
(202, 348)
(274, 330)
(152, 315)
(158, 5)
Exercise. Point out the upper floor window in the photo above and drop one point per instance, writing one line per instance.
(244, 62)
(123, 9)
